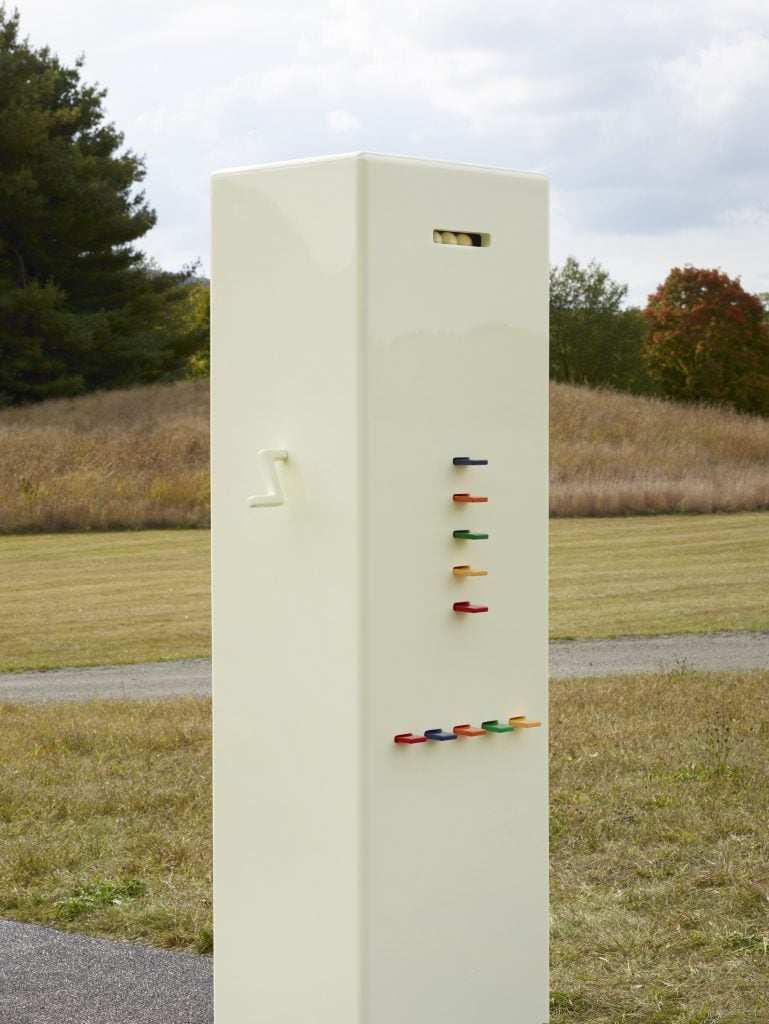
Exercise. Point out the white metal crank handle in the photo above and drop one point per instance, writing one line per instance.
(274, 496)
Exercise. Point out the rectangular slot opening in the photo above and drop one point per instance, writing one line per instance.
(448, 236)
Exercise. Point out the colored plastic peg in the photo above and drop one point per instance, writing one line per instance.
(465, 460)
(465, 498)
(522, 722)
(438, 734)
(473, 609)
(468, 730)
(469, 535)
(409, 737)
(494, 725)
(465, 570)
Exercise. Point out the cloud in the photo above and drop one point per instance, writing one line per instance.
(648, 116)
(341, 122)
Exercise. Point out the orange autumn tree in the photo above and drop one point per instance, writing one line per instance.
(708, 341)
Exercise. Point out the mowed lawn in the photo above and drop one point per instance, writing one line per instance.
(120, 598)
(104, 598)
(646, 575)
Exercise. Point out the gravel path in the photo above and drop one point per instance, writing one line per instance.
(154, 680)
(167, 679)
(705, 651)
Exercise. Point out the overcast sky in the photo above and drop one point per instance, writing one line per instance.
(651, 119)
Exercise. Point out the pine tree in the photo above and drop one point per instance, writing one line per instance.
(80, 306)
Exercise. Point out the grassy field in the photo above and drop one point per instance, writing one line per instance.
(659, 838)
(105, 813)
(660, 849)
(104, 598)
(659, 574)
(138, 459)
(110, 598)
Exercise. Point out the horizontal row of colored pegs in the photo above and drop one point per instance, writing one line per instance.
(491, 726)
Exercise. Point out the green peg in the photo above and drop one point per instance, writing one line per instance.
(496, 726)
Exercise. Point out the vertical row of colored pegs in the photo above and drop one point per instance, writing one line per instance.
(465, 498)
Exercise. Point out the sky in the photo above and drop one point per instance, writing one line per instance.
(650, 119)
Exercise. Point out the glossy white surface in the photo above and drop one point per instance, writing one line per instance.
(358, 881)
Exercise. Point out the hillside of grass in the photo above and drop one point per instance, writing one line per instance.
(112, 460)
(138, 459)
(617, 454)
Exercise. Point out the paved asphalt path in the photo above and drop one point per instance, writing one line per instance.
(49, 977)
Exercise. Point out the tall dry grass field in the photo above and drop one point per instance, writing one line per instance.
(115, 460)
(138, 459)
(616, 454)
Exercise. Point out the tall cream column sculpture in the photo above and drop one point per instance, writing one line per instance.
(379, 422)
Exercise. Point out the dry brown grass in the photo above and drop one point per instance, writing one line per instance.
(616, 454)
(660, 849)
(105, 818)
(115, 460)
(138, 459)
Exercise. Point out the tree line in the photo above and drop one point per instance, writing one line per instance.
(82, 308)
(701, 337)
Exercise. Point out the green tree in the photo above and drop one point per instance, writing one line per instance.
(80, 306)
(593, 340)
(199, 330)
(708, 340)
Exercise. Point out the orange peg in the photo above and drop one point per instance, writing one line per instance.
(468, 730)
(466, 570)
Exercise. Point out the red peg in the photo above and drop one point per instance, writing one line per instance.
(465, 606)
(464, 498)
